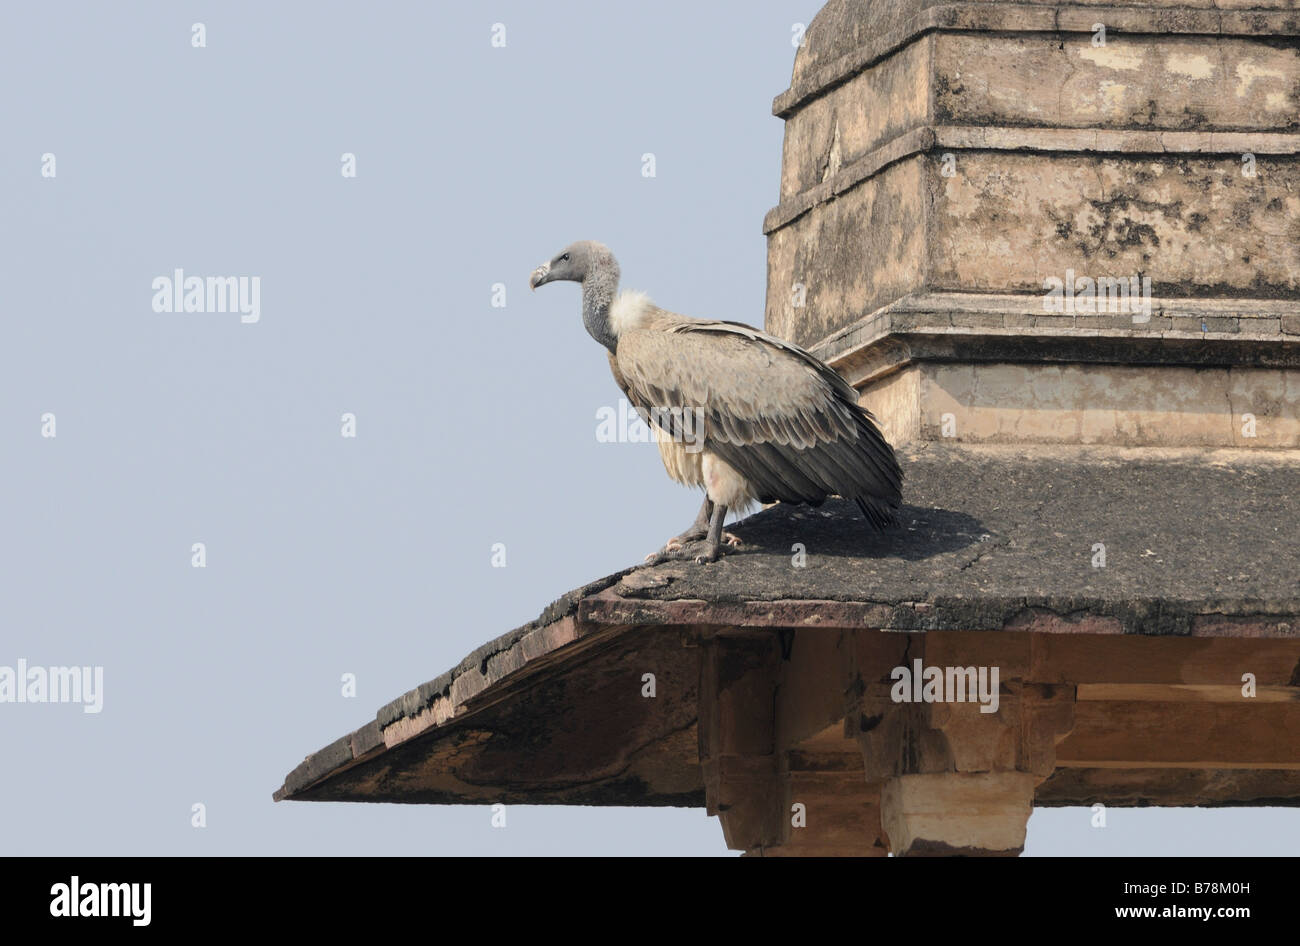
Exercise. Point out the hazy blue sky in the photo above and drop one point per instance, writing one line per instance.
(475, 424)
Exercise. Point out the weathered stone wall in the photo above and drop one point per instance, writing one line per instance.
(1089, 404)
(946, 163)
(840, 127)
(847, 36)
(850, 257)
(1007, 220)
(1176, 83)
(896, 403)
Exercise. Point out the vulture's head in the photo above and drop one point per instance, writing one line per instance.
(575, 263)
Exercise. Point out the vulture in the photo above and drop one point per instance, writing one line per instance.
(743, 414)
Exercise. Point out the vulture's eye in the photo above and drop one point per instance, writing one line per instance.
(564, 258)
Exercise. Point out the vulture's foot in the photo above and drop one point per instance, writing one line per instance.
(678, 542)
(698, 530)
(715, 552)
(716, 538)
(669, 553)
(710, 554)
(676, 549)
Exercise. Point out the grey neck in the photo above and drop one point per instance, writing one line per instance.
(598, 291)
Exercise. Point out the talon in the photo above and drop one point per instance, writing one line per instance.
(673, 545)
(732, 540)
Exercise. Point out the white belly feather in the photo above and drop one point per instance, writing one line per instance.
(692, 466)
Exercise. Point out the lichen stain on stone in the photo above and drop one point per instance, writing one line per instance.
(1192, 65)
(1113, 56)
(1193, 118)
(1248, 72)
(1116, 227)
(1112, 94)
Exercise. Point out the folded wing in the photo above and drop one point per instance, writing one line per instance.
(787, 422)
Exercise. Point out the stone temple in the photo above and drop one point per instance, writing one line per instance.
(1056, 247)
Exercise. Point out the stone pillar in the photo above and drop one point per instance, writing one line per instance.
(1041, 223)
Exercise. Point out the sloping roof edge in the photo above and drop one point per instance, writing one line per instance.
(665, 595)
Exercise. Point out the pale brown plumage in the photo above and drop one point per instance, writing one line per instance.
(787, 424)
(743, 414)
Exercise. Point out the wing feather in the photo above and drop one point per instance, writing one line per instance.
(787, 422)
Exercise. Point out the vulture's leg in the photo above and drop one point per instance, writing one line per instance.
(713, 548)
(698, 530)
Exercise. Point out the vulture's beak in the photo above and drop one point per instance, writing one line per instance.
(541, 276)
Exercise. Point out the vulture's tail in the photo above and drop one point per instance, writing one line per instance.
(879, 513)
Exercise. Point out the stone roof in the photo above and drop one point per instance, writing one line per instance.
(1197, 543)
